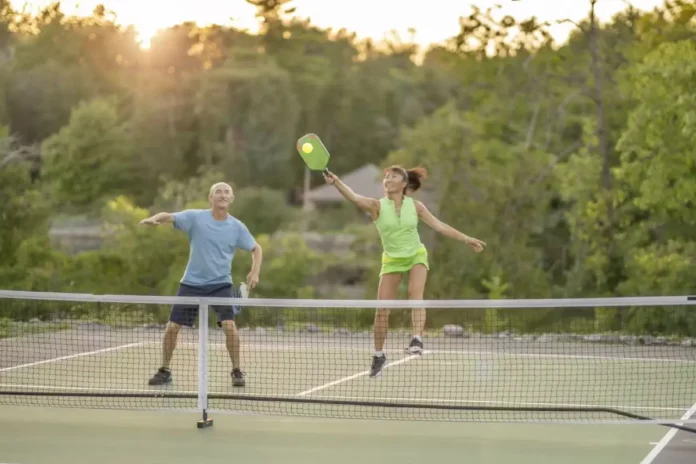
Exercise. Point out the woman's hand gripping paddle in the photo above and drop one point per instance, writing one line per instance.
(313, 152)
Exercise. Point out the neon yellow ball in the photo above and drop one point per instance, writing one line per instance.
(307, 147)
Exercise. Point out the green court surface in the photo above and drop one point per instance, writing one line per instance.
(59, 436)
(108, 365)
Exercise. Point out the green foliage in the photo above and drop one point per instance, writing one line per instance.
(569, 203)
(248, 113)
(288, 264)
(658, 147)
(263, 210)
(89, 159)
(23, 214)
(10, 328)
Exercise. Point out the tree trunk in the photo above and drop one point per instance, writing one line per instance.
(597, 96)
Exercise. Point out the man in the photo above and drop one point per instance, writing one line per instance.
(214, 235)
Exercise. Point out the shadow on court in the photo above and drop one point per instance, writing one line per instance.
(34, 435)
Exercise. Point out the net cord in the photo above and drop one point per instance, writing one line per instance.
(281, 303)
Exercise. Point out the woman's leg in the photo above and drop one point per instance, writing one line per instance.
(416, 288)
(388, 290)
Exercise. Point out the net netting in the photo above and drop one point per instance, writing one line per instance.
(603, 360)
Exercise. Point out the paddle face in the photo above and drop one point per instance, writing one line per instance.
(313, 152)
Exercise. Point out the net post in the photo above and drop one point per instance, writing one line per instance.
(203, 366)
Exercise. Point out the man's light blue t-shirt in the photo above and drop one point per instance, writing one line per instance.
(212, 245)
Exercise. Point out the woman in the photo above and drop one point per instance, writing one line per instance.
(396, 217)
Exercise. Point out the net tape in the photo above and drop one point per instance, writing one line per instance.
(530, 303)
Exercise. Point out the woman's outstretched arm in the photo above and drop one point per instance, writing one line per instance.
(369, 205)
(446, 230)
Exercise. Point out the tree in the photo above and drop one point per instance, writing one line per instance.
(263, 210)
(24, 215)
(658, 167)
(90, 159)
(248, 115)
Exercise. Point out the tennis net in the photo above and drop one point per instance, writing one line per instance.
(606, 360)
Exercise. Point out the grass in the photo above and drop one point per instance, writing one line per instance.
(10, 328)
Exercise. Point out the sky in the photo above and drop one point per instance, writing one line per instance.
(434, 20)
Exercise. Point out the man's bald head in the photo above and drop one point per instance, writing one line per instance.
(221, 195)
(218, 186)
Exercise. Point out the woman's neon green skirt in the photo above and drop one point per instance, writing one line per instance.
(402, 265)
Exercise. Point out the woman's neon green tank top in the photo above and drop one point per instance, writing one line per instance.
(399, 234)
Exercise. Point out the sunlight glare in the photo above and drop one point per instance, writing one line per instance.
(145, 35)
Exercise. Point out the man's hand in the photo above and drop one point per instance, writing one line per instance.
(157, 219)
(253, 279)
(149, 222)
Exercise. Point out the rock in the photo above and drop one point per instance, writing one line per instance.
(311, 328)
(601, 338)
(451, 330)
(156, 326)
(91, 326)
(650, 340)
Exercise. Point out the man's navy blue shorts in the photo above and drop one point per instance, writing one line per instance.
(183, 314)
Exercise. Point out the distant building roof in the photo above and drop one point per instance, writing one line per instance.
(366, 181)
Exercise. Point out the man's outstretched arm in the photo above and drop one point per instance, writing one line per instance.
(157, 219)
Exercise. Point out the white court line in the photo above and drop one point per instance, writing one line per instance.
(662, 444)
(512, 403)
(39, 388)
(71, 356)
(564, 356)
(319, 348)
(359, 374)
(154, 390)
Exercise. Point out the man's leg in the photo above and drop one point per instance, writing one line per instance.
(416, 288)
(171, 333)
(225, 316)
(232, 337)
(164, 373)
(388, 290)
(180, 315)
